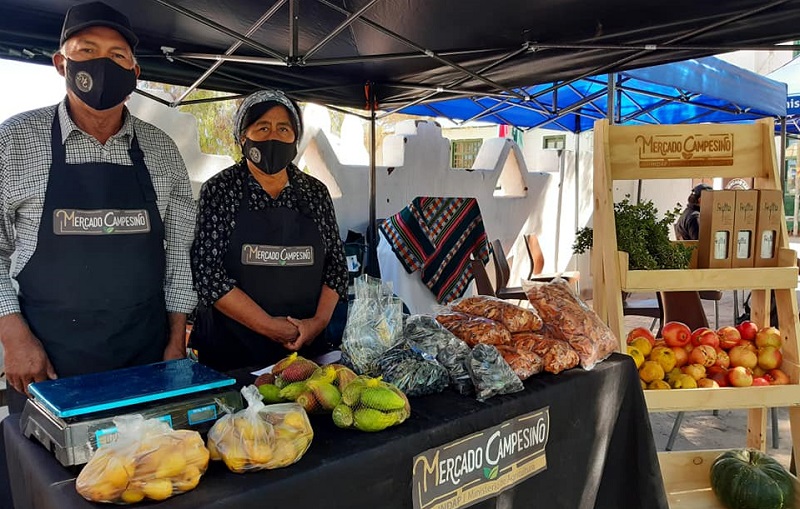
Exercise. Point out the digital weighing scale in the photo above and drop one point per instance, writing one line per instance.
(73, 417)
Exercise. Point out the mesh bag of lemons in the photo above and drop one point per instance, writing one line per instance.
(148, 461)
(370, 404)
(260, 436)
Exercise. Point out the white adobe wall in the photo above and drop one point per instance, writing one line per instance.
(182, 128)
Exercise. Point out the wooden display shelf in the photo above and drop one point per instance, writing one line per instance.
(687, 479)
(697, 151)
(762, 278)
(724, 397)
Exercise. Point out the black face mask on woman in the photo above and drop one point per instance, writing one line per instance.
(270, 156)
(100, 83)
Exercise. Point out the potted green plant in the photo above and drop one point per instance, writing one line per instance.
(642, 235)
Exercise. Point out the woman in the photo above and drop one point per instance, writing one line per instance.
(267, 260)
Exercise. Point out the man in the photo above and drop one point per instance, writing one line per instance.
(688, 225)
(98, 213)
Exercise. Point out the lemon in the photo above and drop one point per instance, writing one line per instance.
(118, 472)
(197, 455)
(295, 420)
(259, 451)
(188, 480)
(171, 465)
(235, 457)
(158, 489)
(131, 496)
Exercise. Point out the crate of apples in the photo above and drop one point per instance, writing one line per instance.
(741, 356)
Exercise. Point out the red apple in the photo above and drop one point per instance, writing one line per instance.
(769, 336)
(641, 332)
(740, 376)
(708, 383)
(769, 357)
(681, 356)
(713, 370)
(728, 337)
(742, 356)
(723, 359)
(760, 381)
(696, 333)
(696, 371)
(721, 378)
(747, 330)
(777, 377)
(676, 334)
(709, 338)
(703, 354)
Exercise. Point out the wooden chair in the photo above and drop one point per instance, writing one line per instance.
(482, 282)
(501, 274)
(650, 308)
(535, 254)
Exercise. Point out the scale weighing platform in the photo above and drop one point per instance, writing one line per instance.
(73, 417)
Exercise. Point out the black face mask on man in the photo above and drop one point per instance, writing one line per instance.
(100, 83)
(270, 156)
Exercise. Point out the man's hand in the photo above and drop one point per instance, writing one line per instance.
(281, 330)
(176, 344)
(25, 358)
(309, 329)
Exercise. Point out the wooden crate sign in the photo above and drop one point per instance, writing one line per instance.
(768, 230)
(716, 229)
(744, 227)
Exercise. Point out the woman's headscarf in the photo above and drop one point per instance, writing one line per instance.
(254, 106)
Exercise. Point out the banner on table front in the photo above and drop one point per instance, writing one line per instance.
(480, 466)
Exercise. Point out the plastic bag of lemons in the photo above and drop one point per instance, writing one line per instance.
(370, 404)
(148, 461)
(260, 436)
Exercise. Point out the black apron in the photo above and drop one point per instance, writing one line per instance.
(268, 256)
(93, 290)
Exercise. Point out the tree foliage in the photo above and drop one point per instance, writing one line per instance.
(642, 235)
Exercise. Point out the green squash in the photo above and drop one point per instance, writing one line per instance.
(750, 479)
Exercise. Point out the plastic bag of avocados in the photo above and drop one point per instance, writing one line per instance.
(370, 404)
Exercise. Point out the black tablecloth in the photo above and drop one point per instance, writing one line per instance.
(600, 454)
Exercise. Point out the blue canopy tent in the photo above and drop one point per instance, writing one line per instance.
(699, 90)
(692, 91)
(790, 75)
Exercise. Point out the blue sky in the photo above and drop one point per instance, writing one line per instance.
(24, 87)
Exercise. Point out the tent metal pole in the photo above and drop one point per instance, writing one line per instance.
(263, 19)
(220, 28)
(432, 54)
(662, 47)
(151, 96)
(429, 97)
(373, 189)
(610, 86)
(561, 169)
(395, 56)
(783, 154)
(294, 14)
(336, 31)
(210, 100)
(577, 187)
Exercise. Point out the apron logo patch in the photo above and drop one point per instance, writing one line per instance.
(100, 222)
(277, 256)
(84, 82)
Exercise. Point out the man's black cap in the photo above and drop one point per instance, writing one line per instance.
(91, 14)
(699, 188)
